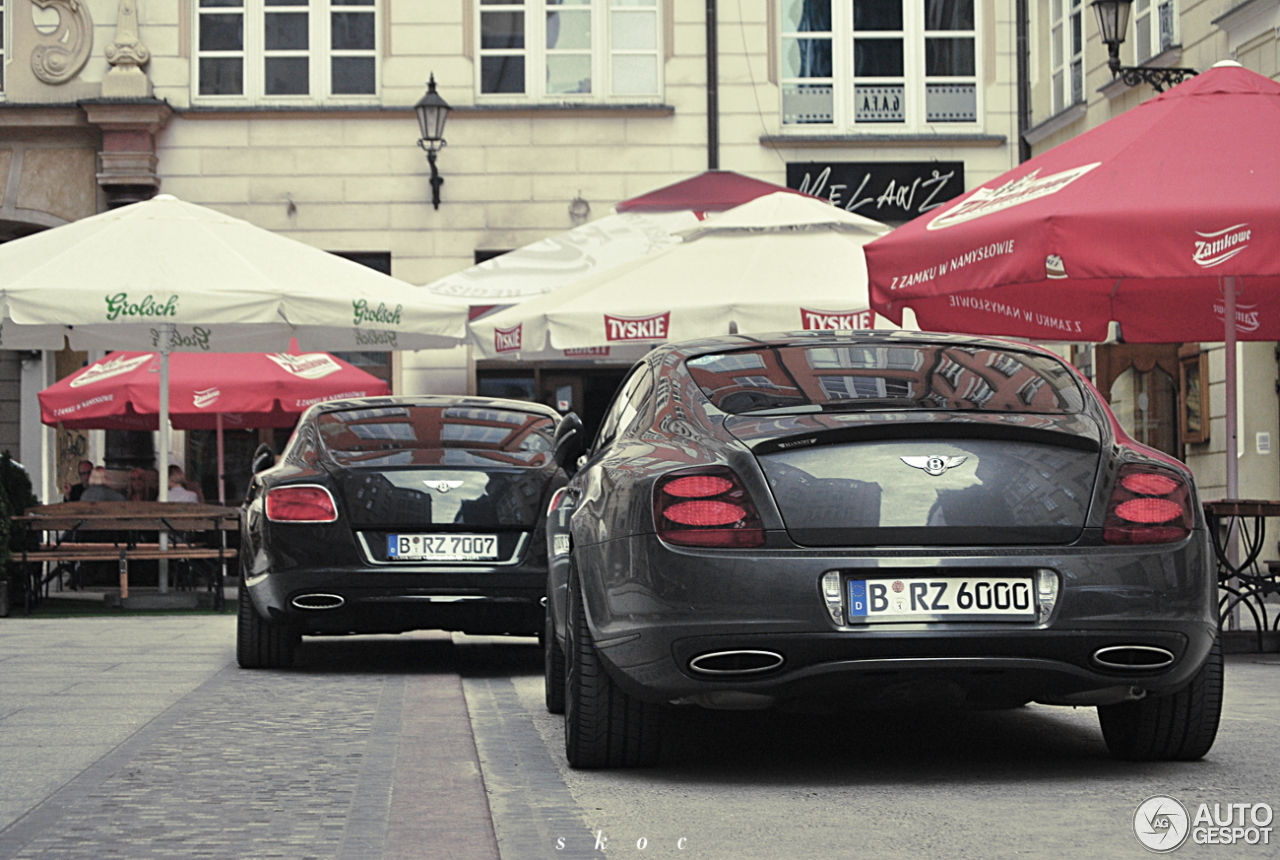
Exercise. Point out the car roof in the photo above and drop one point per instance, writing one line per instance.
(438, 400)
(723, 343)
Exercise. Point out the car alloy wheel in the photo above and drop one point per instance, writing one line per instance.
(1177, 727)
(603, 726)
(553, 668)
(261, 644)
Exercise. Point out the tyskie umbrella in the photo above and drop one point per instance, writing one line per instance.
(1159, 219)
(782, 261)
(639, 226)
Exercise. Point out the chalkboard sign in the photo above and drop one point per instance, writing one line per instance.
(889, 191)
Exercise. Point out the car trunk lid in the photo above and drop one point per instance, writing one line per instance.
(927, 478)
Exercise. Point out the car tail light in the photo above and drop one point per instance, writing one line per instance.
(301, 504)
(556, 498)
(709, 507)
(1148, 505)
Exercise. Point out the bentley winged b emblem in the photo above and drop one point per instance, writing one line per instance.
(443, 486)
(933, 465)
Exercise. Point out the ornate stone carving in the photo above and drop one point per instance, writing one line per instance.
(127, 55)
(127, 49)
(64, 51)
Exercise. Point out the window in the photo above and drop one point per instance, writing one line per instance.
(269, 49)
(1152, 28)
(568, 49)
(879, 65)
(1066, 52)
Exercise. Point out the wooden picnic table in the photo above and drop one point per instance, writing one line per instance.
(123, 531)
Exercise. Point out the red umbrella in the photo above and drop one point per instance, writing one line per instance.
(240, 389)
(1159, 219)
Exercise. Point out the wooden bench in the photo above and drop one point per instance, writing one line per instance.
(131, 522)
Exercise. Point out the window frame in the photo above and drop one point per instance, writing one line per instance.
(602, 51)
(1154, 45)
(915, 79)
(319, 52)
(1066, 53)
(6, 24)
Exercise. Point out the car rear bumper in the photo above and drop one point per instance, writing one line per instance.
(763, 618)
(344, 601)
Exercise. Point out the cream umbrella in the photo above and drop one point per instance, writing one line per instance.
(171, 276)
(780, 262)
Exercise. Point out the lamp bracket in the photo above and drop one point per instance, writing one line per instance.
(1159, 78)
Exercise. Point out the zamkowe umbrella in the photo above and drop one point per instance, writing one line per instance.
(206, 392)
(780, 262)
(168, 276)
(1161, 219)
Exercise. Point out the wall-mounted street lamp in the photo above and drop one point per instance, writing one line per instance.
(1113, 23)
(432, 111)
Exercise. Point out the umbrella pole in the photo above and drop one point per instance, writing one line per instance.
(222, 478)
(166, 333)
(1229, 322)
(1233, 463)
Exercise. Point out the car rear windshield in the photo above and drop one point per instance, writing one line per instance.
(389, 435)
(842, 378)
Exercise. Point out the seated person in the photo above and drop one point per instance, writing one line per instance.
(139, 487)
(72, 492)
(178, 491)
(99, 490)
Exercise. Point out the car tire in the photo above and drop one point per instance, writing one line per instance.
(553, 668)
(1178, 727)
(603, 726)
(261, 644)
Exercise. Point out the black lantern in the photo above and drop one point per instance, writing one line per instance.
(432, 111)
(1113, 23)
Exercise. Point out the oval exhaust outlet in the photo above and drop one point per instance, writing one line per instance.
(1133, 657)
(735, 662)
(318, 601)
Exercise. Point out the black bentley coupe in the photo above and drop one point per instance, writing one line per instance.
(389, 514)
(865, 520)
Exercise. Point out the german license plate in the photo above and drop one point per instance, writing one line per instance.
(442, 547)
(944, 599)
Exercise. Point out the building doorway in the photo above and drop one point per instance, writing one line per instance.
(585, 390)
(1141, 382)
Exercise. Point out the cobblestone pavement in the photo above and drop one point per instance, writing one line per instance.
(139, 738)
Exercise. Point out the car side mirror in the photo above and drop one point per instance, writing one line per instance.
(263, 458)
(570, 443)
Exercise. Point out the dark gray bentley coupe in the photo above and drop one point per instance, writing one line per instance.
(874, 520)
(388, 514)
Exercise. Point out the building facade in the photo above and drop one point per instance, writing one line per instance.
(296, 115)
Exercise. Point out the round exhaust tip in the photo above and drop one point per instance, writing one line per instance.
(1133, 657)
(736, 662)
(318, 601)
